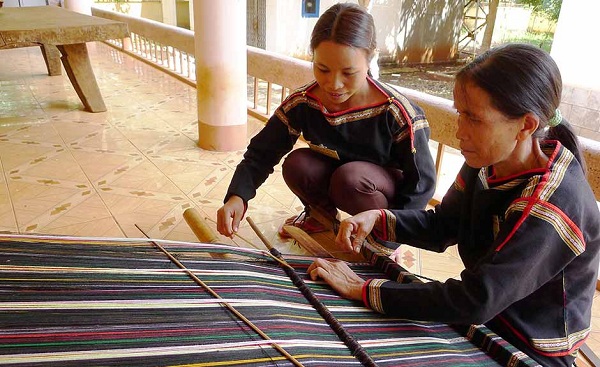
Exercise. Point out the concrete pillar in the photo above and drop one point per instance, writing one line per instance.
(79, 6)
(169, 12)
(221, 72)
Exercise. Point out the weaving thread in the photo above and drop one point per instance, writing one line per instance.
(124, 303)
(224, 303)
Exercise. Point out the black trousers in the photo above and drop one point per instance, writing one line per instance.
(352, 187)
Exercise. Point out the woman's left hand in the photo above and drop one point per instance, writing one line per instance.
(339, 276)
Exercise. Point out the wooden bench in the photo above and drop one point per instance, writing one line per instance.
(62, 35)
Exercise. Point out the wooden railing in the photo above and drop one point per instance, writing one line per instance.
(271, 76)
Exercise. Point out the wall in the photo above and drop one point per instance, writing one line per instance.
(576, 53)
(287, 32)
(408, 31)
(417, 31)
(148, 9)
(144, 9)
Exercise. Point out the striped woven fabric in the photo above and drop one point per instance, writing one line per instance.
(92, 302)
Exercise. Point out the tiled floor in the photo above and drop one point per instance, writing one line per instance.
(66, 171)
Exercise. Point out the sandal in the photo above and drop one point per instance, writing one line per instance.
(305, 223)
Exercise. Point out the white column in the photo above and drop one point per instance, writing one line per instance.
(221, 72)
(79, 6)
(169, 12)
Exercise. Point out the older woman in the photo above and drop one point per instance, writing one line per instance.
(521, 212)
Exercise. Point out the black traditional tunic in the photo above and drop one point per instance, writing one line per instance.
(392, 134)
(530, 244)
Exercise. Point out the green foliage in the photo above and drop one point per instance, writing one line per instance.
(550, 7)
(542, 40)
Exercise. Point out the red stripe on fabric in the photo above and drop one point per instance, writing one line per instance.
(461, 181)
(492, 180)
(526, 341)
(568, 220)
(343, 112)
(374, 329)
(531, 201)
(384, 231)
(548, 205)
(293, 95)
(408, 122)
(555, 152)
(88, 334)
(541, 185)
(365, 288)
(377, 87)
(516, 227)
(404, 114)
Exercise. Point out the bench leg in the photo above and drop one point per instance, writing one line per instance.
(52, 59)
(76, 61)
(438, 160)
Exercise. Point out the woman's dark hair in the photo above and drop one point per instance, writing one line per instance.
(521, 78)
(347, 24)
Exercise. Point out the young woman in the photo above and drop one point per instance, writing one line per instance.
(368, 143)
(521, 211)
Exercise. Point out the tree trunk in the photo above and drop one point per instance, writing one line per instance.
(368, 4)
(486, 43)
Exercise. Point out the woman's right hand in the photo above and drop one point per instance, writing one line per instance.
(354, 230)
(230, 215)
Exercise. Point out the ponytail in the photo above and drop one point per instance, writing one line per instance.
(565, 134)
